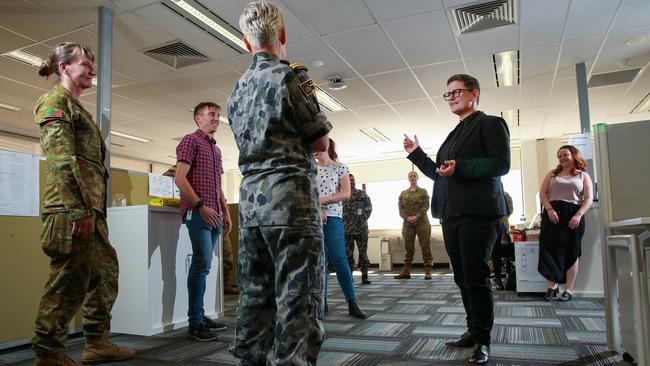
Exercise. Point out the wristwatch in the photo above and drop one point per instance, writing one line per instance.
(198, 205)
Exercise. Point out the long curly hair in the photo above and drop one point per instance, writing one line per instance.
(579, 163)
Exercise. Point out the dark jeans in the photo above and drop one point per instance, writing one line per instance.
(469, 242)
(203, 240)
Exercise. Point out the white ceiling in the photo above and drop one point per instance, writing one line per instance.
(395, 57)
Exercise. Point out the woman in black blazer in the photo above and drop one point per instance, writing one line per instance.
(468, 200)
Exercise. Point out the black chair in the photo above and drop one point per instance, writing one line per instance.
(503, 259)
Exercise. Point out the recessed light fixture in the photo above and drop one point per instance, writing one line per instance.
(210, 23)
(130, 137)
(25, 57)
(316, 63)
(506, 68)
(635, 41)
(329, 102)
(375, 134)
(10, 107)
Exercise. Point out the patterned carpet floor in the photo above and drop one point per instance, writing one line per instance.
(409, 322)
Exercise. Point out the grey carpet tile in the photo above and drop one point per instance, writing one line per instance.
(409, 321)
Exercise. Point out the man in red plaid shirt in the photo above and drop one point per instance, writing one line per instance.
(203, 209)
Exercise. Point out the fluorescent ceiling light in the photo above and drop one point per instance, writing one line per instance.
(375, 134)
(506, 66)
(25, 57)
(209, 22)
(130, 137)
(329, 102)
(10, 107)
(643, 106)
(511, 116)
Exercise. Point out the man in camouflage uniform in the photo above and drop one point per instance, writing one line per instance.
(356, 212)
(83, 266)
(413, 206)
(277, 125)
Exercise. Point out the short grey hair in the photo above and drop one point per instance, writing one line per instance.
(261, 22)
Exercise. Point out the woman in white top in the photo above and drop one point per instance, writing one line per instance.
(333, 184)
(566, 194)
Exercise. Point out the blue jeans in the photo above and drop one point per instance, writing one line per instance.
(203, 240)
(335, 254)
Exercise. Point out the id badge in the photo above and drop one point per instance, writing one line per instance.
(188, 215)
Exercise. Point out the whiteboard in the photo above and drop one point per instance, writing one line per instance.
(19, 184)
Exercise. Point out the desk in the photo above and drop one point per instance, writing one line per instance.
(154, 251)
(628, 277)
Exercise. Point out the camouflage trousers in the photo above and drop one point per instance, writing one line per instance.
(227, 259)
(83, 274)
(280, 279)
(362, 244)
(423, 232)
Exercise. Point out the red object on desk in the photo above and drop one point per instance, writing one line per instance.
(518, 235)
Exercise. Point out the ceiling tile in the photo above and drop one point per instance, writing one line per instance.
(379, 116)
(230, 10)
(565, 91)
(615, 52)
(482, 68)
(537, 30)
(440, 46)
(434, 77)
(314, 49)
(632, 14)
(489, 41)
(533, 95)
(10, 41)
(589, 18)
(356, 95)
(538, 63)
(532, 116)
(495, 100)
(397, 86)
(559, 113)
(331, 16)
(377, 54)
(40, 20)
(384, 10)
(577, 51)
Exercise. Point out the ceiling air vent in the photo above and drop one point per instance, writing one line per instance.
(611, 78)
(485, 15)
(177, 55)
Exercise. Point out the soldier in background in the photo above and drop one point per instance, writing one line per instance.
(228, 267)
(413, 206)
(277, 124)
(356, 212)
(83, 264)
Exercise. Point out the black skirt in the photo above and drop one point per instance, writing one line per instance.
(559, 246)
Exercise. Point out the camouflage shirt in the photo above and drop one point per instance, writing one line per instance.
(73, 146)
(356, 212)
(414, 203)
(274, 116)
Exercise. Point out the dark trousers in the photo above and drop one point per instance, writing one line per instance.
(469, 242)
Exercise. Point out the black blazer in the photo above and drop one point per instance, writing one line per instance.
(482, 155)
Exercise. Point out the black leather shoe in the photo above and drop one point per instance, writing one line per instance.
(355, 310)
(551, 294)
(465, 341)
(365, 280)
(480, 355)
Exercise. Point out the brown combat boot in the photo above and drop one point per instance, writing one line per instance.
(427, 273)
(405, 274)
(54, 359)
(100, 349)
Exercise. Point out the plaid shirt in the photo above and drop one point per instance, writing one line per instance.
(200, 151)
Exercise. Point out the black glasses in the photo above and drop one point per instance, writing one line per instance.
(454, 93)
